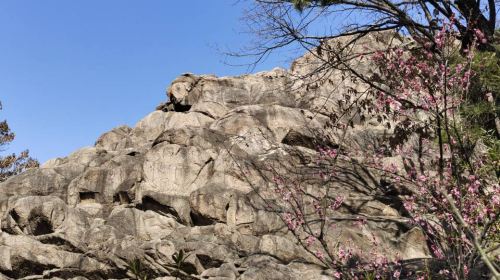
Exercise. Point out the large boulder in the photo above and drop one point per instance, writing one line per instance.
(197, 177)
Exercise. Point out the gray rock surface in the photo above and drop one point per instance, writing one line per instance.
(187, 177)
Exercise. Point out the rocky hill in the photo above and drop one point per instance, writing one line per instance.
(193, 176)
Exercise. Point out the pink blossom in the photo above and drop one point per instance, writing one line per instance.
(337, 203)
(342, 253)
(444, 272)
(422, 178)
(437, 252)
(426, 78)
(310, 240)
(480, 36)
(495, 199)
(319, 255)
(409, 205)
(360, 222)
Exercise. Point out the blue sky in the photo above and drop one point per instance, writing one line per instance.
(72, 70)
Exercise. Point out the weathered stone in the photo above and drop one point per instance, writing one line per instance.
(176, 170)
(265, 267)
(108, 183)
(142, 225)
(42, 181)
(28, 257)
(116, 139)
(196, 176)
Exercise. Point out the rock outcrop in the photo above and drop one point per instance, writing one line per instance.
(191, 176)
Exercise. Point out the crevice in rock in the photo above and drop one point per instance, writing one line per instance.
(61, 243)
(387, 188)
(206, 114)
(181, 108)
(71, 273)
(10, 228)
(122, 198)
(14, 215)
(294, 138)
(151, 204)
(200, 220)
(392, 196)
(88, 197)
(23, 268)
(133, 154)
(209, 262)
(210, 160)
(40, 225)
(188, 268)
(157, 141)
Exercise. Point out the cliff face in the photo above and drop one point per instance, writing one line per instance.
(192, 176)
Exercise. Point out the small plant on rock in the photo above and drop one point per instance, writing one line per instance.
(137, 269)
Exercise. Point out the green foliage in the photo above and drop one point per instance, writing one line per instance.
(370, 275)
(487, 65)
(12, 164)
(179, 259)
(137, 269)
(179, 266)
(481, 106)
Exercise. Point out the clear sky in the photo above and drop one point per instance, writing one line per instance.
(71, 70)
